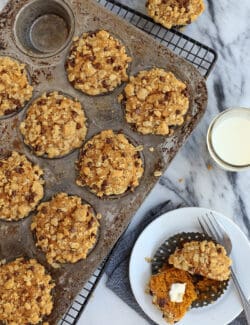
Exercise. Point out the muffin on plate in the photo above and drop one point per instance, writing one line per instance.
(25, 292)
(54, 125)
(173, 293)
(205, 258)
(21, 186)
(109, 164)
(65, 229)
(15, 89)
(171, 13)
(155, 100)
(97, 63)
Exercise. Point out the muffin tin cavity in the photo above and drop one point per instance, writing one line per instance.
(44, 27)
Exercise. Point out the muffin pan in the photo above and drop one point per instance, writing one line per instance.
(25, 35)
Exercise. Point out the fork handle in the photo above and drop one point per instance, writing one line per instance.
(244, 301)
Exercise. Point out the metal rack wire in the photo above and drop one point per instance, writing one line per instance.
(200, 55)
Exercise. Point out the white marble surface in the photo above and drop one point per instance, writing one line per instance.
(225, 27)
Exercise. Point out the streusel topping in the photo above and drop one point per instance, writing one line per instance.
(15, 89)
(172, 13)
(21, 186)
(25, 292)
(109, 164)
(154, 100)
(204, 258)
(65, 228)
(54, 125)
(97, 63)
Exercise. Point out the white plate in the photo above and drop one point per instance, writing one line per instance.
(228, 306)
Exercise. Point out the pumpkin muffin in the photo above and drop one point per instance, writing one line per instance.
(109, 164)
(204, 258)
(65, 228)
(171, 13)
(54, 125)
(155, 100)
(21, 186)
(25, 292)
(15, 89)
(160, 288)
(97, 63)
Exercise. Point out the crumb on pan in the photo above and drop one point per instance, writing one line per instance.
(154, 100)
(21, 186)
(15, 89)
(109, 164)
(160, 285)
(25, 292)
(54, 125)
(65, 228)
(171, 13)
(204, 258)
(97, 63)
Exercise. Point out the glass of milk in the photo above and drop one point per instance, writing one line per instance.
(228, 139)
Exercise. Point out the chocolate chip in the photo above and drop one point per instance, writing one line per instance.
(19, 170)
(1, 164)
(78, 126)
(41, 238)
(41, 102)
(90, 146)
(59, 101)
(89, 164)
(104, 184)
(97, 65)
(16, 273)
(219, 250)
(30, 197)
(44, 210)
(110, 60)
(9, 111)
(108, 141)
(71, 62)
(7, 173)
(163, 79)
(118, 68)
(42, 286)
(39, 299)
(74, 114)
(161, 302)
(104, 84)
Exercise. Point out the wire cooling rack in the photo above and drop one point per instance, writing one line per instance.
(200, 55)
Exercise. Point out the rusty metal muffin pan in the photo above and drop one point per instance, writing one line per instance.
(39, 33)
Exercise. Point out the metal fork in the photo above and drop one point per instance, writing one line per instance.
(211, 227)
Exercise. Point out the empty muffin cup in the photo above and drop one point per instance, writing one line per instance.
(44, 27)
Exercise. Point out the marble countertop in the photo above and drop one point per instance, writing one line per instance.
(225, 27)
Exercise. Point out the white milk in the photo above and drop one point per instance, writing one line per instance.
(231, 137)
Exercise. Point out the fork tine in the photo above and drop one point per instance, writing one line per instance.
(210, 230)
(202, 226)
(219, 226)
(217, 231)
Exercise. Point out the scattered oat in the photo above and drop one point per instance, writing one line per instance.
(154, 100)
(180, 180)
(54, 125)
(65, 228)
(97, 63)
(21, 186)
(148, 259)
(171, 13)
(109, 164)
(157, 173)
(151, 149)
(15, 89)
(25, 292)
(209, 167)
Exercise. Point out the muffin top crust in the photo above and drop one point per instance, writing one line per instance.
(171, 13)
(21, 186)
(109, 164)
(54, 125)
(15, 89)
(25, 292)
(154, 100)
(97, 63)
(65, 228)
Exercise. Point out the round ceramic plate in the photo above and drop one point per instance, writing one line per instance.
(228, 306)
